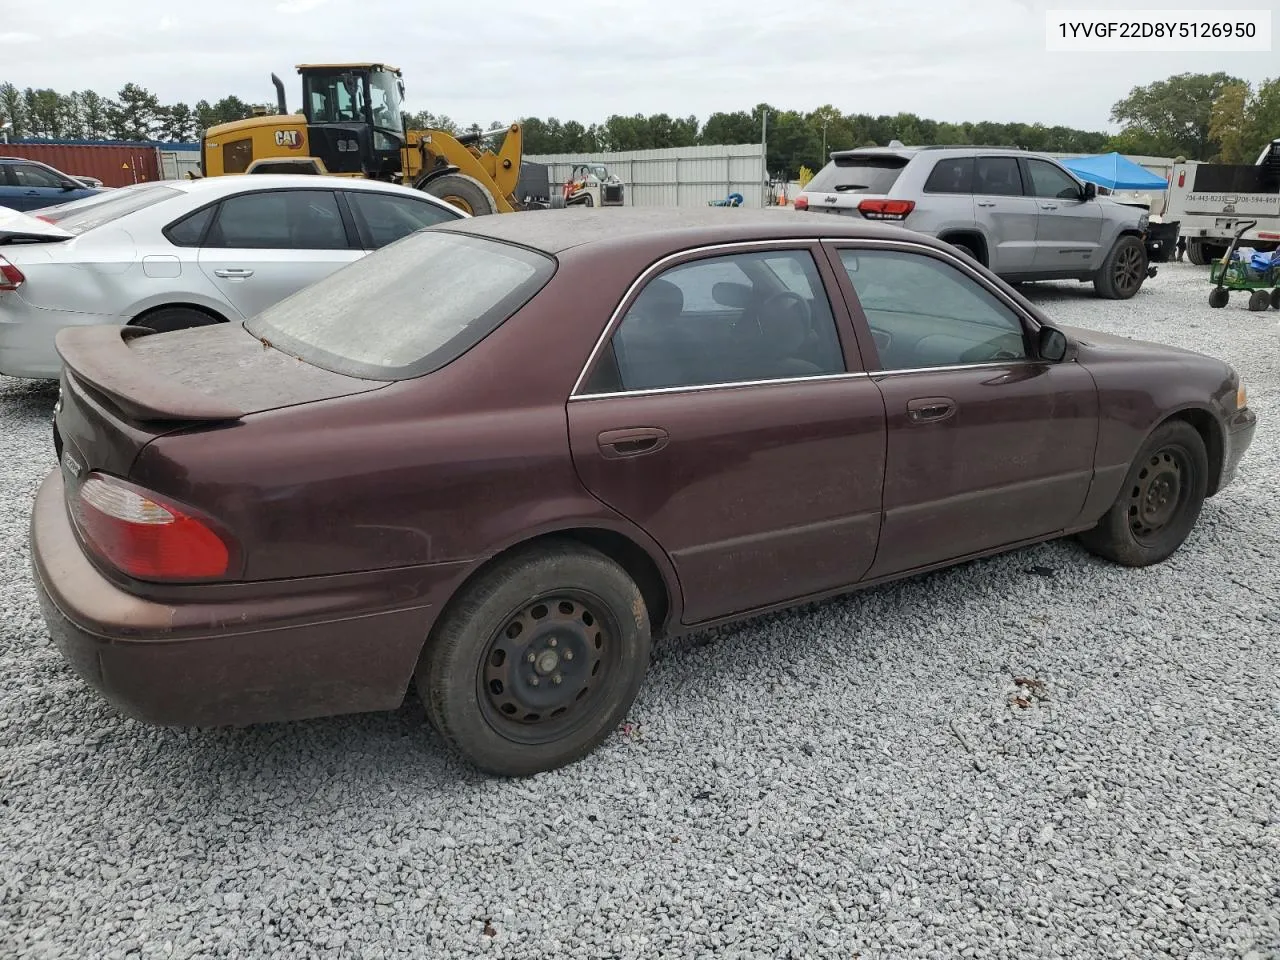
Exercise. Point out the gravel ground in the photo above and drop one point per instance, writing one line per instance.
(855, 779)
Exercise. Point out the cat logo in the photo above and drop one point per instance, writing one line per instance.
(288, 138)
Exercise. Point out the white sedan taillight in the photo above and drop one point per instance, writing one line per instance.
(11, 277)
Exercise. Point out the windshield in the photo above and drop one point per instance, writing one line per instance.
(866, 174)
(82, 215)
(384, 95)
(407, 309)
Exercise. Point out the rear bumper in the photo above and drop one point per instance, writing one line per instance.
(1236, 440)
(287, 657)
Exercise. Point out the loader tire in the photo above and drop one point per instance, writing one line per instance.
(466, 193)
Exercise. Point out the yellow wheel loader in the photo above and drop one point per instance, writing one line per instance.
(351, 125)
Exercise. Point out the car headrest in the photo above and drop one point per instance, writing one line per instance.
(660, 299)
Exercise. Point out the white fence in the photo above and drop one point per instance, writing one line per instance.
(174, 164)
(675, 177)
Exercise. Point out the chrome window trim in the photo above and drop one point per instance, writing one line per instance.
(908, 246)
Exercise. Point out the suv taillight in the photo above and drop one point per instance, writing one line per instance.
(145, 536)
(886, 209)
(802, 202)
(11, 277)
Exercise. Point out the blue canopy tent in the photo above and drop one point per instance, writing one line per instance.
(1114, 172)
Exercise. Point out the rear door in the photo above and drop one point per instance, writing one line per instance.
(383, 218)
(1005, 213)
(264, 245)
(1068, 227)
(727, 415)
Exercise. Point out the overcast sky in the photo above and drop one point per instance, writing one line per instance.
(585, 59)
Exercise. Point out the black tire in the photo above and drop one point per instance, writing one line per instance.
(1218, 297)
(465, 193)
(1143, 527)
(1124, 269)
(168, 319)
(490, 702)
(967, 248)
(1259, 300)
(1275, 299)
(1196, 253)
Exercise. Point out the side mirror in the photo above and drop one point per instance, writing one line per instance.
(68, 185)
(1052, 345)
(1090, 191)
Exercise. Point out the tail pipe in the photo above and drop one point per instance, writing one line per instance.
(280, 101)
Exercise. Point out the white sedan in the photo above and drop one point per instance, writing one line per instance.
(184, 253)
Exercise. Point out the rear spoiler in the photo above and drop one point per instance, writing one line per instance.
(99, 356)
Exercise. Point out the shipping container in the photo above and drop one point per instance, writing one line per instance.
(116, 165)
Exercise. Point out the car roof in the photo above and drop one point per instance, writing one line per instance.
(265, 181)
(553, 231)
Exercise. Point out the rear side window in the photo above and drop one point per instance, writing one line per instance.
(188, 231)
(385, 219)
(865, 174)
(952, 175)
(103, 208)
(997, 177)
(407, 309)
(279, 220)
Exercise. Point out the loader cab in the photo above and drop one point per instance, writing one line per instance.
(355, 122)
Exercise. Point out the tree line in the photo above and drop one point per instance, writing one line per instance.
(1198, 116)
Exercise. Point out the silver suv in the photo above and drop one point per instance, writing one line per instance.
(1022, 215)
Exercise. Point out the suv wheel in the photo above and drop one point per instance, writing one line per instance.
(967, 248)
(1122, 273)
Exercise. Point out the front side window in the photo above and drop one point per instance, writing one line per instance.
(279, 220)
(1048, 181)
(335, 97)
(926, 313)
(407, 309)
(997, 176)
(728, 319)
(384, 219)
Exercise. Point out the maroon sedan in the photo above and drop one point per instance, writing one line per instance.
(501, 455)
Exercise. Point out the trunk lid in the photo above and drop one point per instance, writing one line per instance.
(123, 387)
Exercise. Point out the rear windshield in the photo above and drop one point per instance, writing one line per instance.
(406, 309)
(870, 174)
(81, 215)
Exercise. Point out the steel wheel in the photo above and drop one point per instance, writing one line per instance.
(1159, 493)
(544, 669)
(1129, 270)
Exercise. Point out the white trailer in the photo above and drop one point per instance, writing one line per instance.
(1212, 201)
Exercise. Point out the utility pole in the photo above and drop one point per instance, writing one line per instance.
(764, 150)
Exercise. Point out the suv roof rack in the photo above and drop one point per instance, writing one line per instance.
(968, 146)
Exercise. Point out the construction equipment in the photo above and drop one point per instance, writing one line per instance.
(352, 125)
(590, 185)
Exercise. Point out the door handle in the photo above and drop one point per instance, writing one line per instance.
(986, 203)
(33, 193)
(632, 442)
(232, 273)
(930, 409)
(1048, 206)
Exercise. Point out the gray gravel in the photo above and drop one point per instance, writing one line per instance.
(856, 779)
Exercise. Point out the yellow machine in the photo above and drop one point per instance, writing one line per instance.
(351, 125)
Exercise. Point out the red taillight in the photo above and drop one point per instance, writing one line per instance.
(802, 202)
(11, 277)
(145, 536)
(886, 209)
(1182, 178)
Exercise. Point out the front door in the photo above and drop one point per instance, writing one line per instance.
(1068, 227)
(987, 446)
(265, 245)
(1005, 214)
(726, 417)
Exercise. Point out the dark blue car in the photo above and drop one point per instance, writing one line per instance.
(29, 185)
